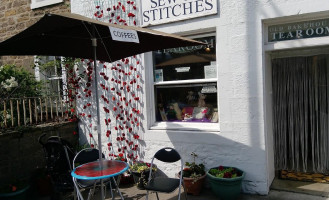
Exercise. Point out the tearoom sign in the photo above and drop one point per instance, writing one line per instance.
(164, 11)
(298, 30)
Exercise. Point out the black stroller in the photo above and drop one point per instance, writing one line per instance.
(59, 155)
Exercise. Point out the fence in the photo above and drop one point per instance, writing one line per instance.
(34, 110)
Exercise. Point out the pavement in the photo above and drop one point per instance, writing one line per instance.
(131, 192)
(280, 190)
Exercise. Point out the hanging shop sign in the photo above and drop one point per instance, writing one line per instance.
(124, 35)
(164, 11)
(299, 30)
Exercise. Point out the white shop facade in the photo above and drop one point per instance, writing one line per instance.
(256, 97)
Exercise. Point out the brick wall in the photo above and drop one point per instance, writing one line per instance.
(15, 16)
(21, 154)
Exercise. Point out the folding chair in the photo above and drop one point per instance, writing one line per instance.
(85, 156)
(165, 184)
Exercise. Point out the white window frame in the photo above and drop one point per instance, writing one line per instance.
(41, 3)
(179, 126)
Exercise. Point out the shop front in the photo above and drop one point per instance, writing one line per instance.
(255, 97)
(300, 97)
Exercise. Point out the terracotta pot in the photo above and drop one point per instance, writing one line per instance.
(193, 186)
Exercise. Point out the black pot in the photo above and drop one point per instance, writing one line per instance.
(141, 178)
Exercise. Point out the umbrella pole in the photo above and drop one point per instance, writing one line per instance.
(94, 45)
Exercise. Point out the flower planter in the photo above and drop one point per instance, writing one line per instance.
(193, 186)
(141, 178)
(226, 188)
(140, 171)
(20, 194)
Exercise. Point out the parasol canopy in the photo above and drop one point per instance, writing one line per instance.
(69, 35)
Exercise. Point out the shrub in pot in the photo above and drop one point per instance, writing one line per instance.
(140, 171)
(193, 177)
(226, 181)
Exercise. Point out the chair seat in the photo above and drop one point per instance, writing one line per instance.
(162, 184)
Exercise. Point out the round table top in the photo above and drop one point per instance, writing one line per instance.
(100, 170)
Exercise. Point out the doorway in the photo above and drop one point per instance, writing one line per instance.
(300, 111)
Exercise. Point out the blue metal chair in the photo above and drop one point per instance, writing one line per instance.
(85, 156)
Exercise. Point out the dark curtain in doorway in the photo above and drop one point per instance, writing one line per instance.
(300, 109)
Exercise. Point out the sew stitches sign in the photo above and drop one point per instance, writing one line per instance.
(164, 11)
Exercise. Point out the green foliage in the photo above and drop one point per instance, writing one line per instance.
(17, 82)
(140, 167)
(193, 170)
(224, 172)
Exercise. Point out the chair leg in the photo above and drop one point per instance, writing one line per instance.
(179, 191)
(111, 190)
(77, 190)
(185, 192)
(104, 190)
(157, 195)
(147, 195)
(90, 194)
(74, 193)
(117, 188)
(92, 191)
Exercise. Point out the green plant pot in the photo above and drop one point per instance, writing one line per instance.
(18, 195)
(226, 188)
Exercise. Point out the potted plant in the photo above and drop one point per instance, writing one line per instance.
(226, 181)
(140, 171)
(193, 176)
(17, 190)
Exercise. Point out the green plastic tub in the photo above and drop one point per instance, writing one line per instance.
(18, 195)
(226, 188)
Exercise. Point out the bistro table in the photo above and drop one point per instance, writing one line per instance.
(99, 170)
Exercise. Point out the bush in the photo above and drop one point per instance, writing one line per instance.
(18, 82)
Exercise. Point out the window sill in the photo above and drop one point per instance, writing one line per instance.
(44, 3)
(184, 126)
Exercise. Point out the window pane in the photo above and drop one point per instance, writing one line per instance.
(184, 63)
(187, 102)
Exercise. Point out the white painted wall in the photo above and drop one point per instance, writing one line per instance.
(245, 136)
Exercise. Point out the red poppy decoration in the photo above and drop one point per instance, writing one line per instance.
(13, 188)
(123, 76)
(131, 15)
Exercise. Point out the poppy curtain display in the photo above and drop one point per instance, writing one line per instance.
(300, 111)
